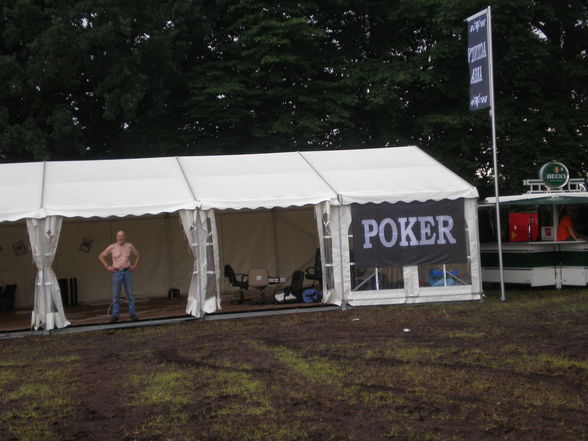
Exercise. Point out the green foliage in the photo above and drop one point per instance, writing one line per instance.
(106, 78)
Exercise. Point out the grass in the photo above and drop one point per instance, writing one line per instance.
(159, 387)
(313, 370)
(514, 370)
(35, 397)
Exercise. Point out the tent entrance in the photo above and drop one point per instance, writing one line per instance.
(279, 240)
(166, 263)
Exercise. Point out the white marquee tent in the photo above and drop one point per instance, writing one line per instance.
(223, 202)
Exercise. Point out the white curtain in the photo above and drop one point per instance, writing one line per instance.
(342, 217)
(333, 225)
(48, 308)
(204, 292)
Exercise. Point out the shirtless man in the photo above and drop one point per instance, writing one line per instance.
(122, 272)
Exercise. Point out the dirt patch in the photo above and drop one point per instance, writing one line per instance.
(469, 371)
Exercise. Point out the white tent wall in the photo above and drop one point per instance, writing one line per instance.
(247, 241)
(212, 298)
(296, 239)
(281, 240)
(16, 265)
(165, 256)
(180, 259)
(471, 215)
(412, 292)
(331, 221)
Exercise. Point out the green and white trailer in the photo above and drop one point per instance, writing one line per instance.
(543, 261)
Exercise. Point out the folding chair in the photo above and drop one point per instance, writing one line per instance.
(259, 279)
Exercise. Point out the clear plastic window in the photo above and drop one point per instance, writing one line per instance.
(447, 274)
(374, 279)
(330, 279)
(450, 274)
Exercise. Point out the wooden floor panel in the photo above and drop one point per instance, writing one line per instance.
(146, 308)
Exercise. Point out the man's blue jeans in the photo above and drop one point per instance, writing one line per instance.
(120, 278)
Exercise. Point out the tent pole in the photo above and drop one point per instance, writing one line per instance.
(186, 180)
(43, 178)
(341, 266)
(41, 238)
(318, 173)
(170, 260)
(275, 233)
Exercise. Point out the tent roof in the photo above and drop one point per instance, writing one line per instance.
(397, 174)
(135, 187)
(116, 187)
(253, 181)
(551, 198)
(20, 190)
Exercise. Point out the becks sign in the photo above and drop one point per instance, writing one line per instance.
(408, 233)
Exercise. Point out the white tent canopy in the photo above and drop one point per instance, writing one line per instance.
(21, 192)
(135, 187)
(388, 175)
(255, 181)
(327, 180)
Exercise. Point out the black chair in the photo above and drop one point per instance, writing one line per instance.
(9, 291)
(69, 291)
(241, 284)
(7, 298)
(315, 272)
(293, 292)
(64, 289)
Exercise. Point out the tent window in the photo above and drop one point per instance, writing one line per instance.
(328, 252)
(210, 258)
(328, 241)
(447, 274)
(374, 278)
(209, 245)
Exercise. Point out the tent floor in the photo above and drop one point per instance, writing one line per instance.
(147, 309)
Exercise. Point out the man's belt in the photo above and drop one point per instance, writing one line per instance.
(122, 270)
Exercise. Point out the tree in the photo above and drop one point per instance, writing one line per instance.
(268, 82)
(112, 78)
(96, 79)
(541, 74)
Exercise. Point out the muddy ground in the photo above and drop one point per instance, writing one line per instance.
(515, 370)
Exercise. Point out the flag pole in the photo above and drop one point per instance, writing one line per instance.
(482, 96)
(494, 155)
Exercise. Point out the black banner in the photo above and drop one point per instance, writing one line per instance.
(478, 61)
(408, 233)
